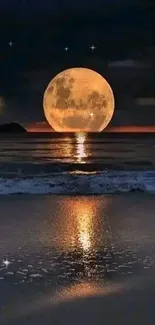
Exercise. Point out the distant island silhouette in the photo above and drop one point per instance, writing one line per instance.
(12, 128)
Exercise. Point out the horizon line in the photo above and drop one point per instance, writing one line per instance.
(42, 127)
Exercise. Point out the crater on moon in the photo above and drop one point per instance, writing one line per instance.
(78, 99)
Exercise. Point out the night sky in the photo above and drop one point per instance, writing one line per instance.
(34, 35)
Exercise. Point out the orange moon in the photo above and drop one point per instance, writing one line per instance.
(78, 100)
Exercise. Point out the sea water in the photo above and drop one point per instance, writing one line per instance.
(76, 258)
(77, 163)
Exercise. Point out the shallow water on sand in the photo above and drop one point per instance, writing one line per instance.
(77, 259)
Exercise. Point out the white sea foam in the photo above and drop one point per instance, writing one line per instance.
(103, 182)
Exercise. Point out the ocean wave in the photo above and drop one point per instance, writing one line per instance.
(80, 183)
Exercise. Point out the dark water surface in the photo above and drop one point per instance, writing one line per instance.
(55, 152)
(77, 259)
(61, 163)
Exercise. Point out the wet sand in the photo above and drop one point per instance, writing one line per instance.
(77, 260)
(120, 305)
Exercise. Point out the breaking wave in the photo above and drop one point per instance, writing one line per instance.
(80, 183)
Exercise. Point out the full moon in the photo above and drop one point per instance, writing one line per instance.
(78, 100)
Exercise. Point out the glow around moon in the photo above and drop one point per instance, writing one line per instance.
(78, 100)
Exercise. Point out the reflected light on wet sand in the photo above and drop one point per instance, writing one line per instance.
(73, 293)
(84, 218)
(78, 224)
(84, 212)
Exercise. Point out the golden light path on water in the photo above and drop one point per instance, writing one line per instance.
(72, 149)
(80, 144)
(75, 148)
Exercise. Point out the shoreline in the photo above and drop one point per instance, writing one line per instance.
(80, 184)
(47, 170)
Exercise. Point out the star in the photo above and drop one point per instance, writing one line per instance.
(6, 262)
(10, 44)
(91, 114)
(66, 48)
(92, 48)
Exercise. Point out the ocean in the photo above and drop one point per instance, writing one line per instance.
(79, 163)
(77, 226)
